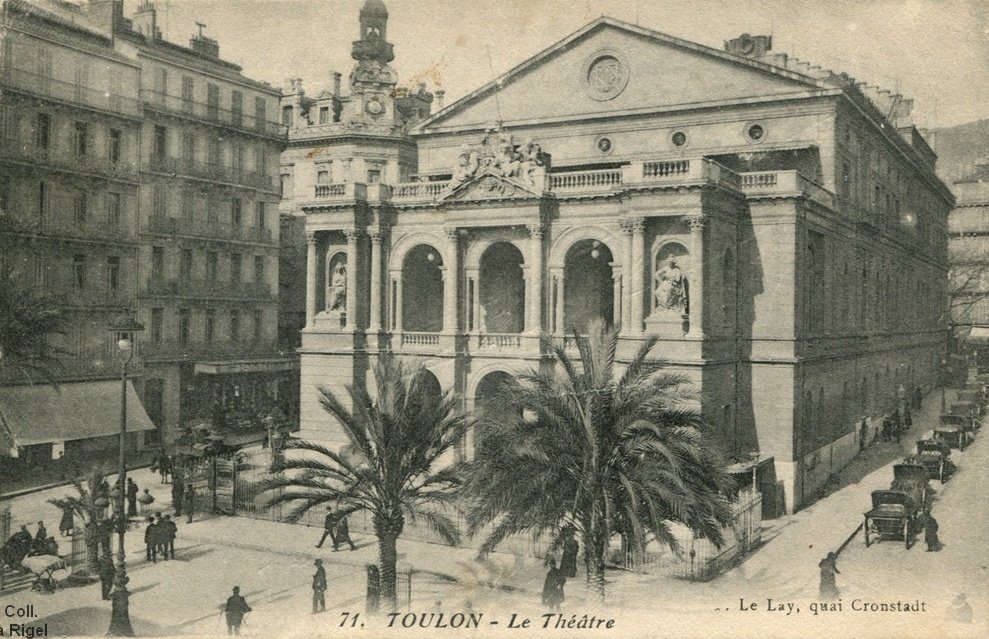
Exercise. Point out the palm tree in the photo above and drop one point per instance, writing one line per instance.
(27, 321)
(391, 466)
(84, 505)
(600, 453)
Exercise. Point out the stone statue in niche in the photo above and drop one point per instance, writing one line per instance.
(671, 287)
(338, 289)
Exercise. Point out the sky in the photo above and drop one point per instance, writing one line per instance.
(935, 51)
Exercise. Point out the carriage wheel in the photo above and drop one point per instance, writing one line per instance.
(940, 471)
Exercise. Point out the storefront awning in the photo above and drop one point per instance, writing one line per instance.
(232, 367)
(39, 414)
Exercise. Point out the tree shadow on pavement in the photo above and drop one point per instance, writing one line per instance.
(92, 621)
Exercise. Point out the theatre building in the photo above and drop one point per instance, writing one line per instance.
(773, 223)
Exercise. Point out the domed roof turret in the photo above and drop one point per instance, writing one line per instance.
(374, 8)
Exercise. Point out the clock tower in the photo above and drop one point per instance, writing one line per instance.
(372, 81)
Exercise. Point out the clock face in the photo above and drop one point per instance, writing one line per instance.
(374, 106)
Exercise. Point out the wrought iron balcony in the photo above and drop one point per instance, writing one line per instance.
(212, 172)
(163, 225)
(78, 164)
(212, 113)
(69, 93)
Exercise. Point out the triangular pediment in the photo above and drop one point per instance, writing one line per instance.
(611, 67)
(490, 184)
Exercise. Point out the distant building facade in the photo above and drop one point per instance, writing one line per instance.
(778, 226)
(146, 180)
(968, 247)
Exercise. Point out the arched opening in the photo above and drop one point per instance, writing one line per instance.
(422, 286)
(502, 290)
(488, 408)
(588, 288)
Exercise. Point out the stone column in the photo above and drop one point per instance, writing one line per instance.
(397, 310)
(450, 276)
(472, 304)
(536, 286)
(626, 327)
(374, 322)
(352, 238)
(616, 287)
(557, 278)
(696, 292)
(637, 275)
(310, 279)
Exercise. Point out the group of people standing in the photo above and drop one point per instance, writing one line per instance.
(335, 527)
(894, 425)
(159, 537)
(23, 544)
(556, 578)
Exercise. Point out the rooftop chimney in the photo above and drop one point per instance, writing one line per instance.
(204, 46)
(440, 94)
(336, 84)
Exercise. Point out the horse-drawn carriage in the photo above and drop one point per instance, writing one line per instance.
(966, 409)
(897, 513)
(935, 456)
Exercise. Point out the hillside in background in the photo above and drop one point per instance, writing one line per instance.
(959, 148)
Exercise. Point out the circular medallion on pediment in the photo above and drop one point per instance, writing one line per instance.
(605, 75)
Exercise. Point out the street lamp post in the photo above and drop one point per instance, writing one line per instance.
(944, 382)
(123, 329)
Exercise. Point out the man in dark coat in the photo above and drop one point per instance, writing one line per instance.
(918, 397)
(319, 587)
(343, 534)
(189, 502)
(178, 492)
(40, 540)
(131, 498)
(930, 534)
(235, 609)
(168, 532)
(67, 524)
(107, 573)
(329, 524)
(553, 587)
(568, 561)
(151, 534)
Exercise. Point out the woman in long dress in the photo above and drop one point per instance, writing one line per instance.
(553, 587)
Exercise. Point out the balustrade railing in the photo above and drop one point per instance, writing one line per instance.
(665, 168)
(499, 341)
(418, 190)
(188, 287)
(420, 339)
(330, 190)
(585, 180)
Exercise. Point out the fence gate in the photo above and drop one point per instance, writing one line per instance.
(225, 476)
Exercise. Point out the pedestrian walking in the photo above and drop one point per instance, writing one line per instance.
(553, 587)
(930, 534)
(131, 498)
(189, 502)
(918, 397)
(829, 568)
(107, 574)
(67, 523)
(329, 524)
(568, 561)
(863, 435)
(235, 609)
(319, 588)
(151, 540)
(907, 419)
(343, 534)
(897, 426)
(169, 532)
(887, 430)
(146, 499)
